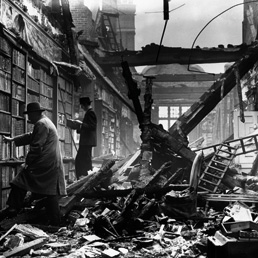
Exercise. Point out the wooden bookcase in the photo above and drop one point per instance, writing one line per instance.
(24, 79)
(12, 103)
(107, 130)
(65, 110)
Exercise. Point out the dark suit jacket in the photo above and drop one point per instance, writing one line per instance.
(88, 135)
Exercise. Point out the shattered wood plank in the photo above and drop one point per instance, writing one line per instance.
(175, 177)
(31, 231)
(77, 184)
(97, 178)
(146, 211)
(126, 214)
(10, 230)
(161, 175)
(66, 203)
(175, 144)
(149, 191)
(129, 163)
(25, 248)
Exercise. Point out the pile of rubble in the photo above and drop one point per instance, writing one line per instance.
(115, 213)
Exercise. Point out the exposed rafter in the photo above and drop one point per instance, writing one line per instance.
(172, 55)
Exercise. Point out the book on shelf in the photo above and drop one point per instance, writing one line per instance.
(5, 149)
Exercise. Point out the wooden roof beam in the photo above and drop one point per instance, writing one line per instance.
(186, 77)
(171, 55)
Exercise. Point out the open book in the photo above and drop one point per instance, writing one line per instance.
(73, 124)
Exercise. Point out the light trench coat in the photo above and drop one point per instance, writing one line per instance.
(44, 170)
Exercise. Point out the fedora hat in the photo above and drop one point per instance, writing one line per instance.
(33, 107)
(85, 100)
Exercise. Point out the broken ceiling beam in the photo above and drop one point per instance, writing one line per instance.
(210, 99)
(176, 144)
(172, 55)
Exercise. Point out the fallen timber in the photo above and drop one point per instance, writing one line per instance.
(104, 173)
(154, 131)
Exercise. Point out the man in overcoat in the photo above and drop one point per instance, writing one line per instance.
(43, 173)
(88, 138)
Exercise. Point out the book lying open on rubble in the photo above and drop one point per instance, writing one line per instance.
(73, 124)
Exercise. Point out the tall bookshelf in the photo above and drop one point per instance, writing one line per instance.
(107, 129)
(40, 87)
(65, 110)
(25, 78)
(12, 103)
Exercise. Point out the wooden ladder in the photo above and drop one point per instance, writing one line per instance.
(216, 169)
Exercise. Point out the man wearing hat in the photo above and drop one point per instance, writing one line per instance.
(43, 172)
(88, 138)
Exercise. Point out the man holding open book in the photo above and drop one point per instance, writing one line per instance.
(88, 137)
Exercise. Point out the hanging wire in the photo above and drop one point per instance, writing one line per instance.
(169, 11)
(163, 33)
(233, 6)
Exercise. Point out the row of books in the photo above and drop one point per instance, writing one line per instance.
(18, 91)
(4, 102)
(46, 102)
(65, 105)
(5, 125)
(5, 81)
(18, 126)
(5, 63)
(64, 96)
(19, 75)
(19, 58)
(5, 149)
(19, 152)
(32, 98)
(5, 46)
(40, 88)
(46, 90)
(43, 76)
(7, 174)
(32, 84)
(17, 108)
(65, 85)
